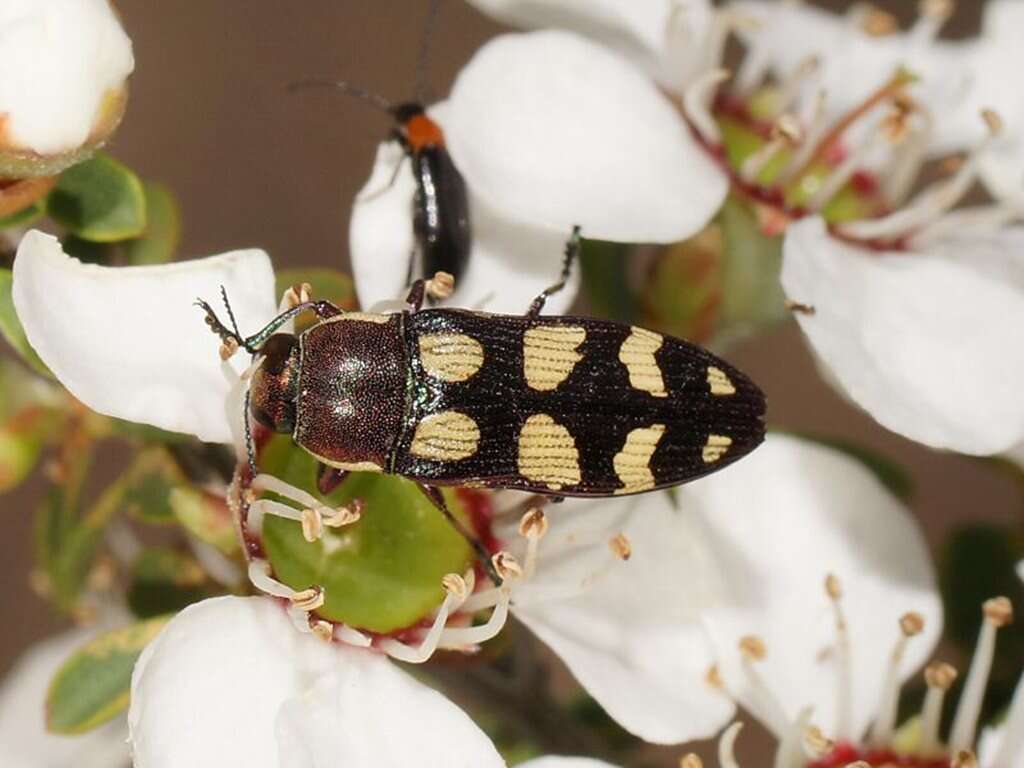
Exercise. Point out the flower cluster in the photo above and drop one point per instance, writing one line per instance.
(794, 588)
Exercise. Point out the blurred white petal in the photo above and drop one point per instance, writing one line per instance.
(25, 741)
(555, 130)
(129, 342)
(630, 631)
(565, 762)
(63, 58)
(231, 682)
(781, 520)
(510, 263)
(927, 343)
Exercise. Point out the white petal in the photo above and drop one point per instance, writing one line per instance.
(230, 681)
(780, 521)
(129, 342)
(69, 54)
(927, 343)
(630, 631)
(509, 264)
(636, 29)
(26, 742)
(370, 713)
(554, 130)
(853, 64)
(565, 762)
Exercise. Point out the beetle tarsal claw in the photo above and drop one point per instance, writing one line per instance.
(308, 599)
(441, 285)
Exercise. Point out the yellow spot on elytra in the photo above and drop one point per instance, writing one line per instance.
(548, 453)
(719, 382)
(364, 317)
(549, 354)
(637, 354)
(715, 448)
(445, 436)
(633, 463)
(451, 356)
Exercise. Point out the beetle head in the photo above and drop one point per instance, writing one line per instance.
(274, 387)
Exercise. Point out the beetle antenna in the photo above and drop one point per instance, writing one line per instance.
(373, 99)
(231, 313)
(424, 55)
(221, 330)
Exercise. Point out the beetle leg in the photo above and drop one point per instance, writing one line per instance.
(417, 292)
(328, 478)
(437, 499)
(572, 252)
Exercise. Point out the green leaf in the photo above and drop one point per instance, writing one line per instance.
(10, 326)
(159, 242)
(166, 581)
(99, 200)
(92, 687)
(605, 281)
(382, 573)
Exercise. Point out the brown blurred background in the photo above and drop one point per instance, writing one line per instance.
(254, 166)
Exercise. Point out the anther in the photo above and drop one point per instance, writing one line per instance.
(506, 565)
(878, 23)
(753, 648)
(816, 743)
(297, 294)
(999, 611)
(308, 599)
(936, 9)
(323, 630)
(833, 587)
(691, 760)
(993, 121)
(346, 515)
(965, 758)
(533, 524)
(940, 675)
(858, 764)
(911, 624)
(441, 285)
(799, 307)
(621, 547)
(228, 348)
(713, 677)
(312, 525)
(455, 586)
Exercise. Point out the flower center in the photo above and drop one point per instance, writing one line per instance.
(802, 745)
(789, 159)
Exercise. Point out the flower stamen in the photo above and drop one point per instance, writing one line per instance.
(939, 677)
(727, 746)
(456, 590)
(998, 612)
(764, 704)
(697, 99)
(844, 672)
(911, 625)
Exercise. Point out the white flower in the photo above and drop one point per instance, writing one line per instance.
(741, 548)
(26, 742)
(742, 553)
(908, 302)
(65, 66)
(549, 131)
(230, 683)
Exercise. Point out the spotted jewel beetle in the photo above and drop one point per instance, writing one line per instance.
(554, 405)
